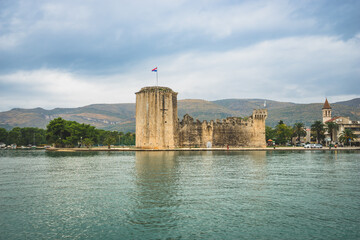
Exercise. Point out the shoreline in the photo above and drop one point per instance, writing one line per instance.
(198, 149)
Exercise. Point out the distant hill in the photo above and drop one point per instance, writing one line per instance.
(308, 113)
(355, 103)
(245, 106)
(105, 116)
(305, 113)
(203, 110)
(121, 117)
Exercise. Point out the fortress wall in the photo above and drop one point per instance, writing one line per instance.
(231, 131)
(158, 127)
(190, 133)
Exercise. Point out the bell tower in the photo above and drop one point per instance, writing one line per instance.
(326, 111)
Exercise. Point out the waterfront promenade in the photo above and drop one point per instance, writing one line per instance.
(201, 149)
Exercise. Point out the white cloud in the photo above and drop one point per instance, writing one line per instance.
(204, 49)
(141, 19)
(300, 69)
(56, 88)
(291, 69)
(222, 21)
(10, 40)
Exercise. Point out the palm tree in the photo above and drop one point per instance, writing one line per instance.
(299, 130)
(109, 140)
(331, 127)
(88, 142)
(318, 128)
(346, 135)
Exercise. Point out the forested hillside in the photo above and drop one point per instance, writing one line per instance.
(121, 117)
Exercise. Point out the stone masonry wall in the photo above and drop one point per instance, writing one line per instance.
(156, 118)
(158, 127)
(232, 131)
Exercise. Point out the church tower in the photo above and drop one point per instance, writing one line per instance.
(156, 118)
(326, 111)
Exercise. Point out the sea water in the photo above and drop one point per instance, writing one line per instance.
(180, 195)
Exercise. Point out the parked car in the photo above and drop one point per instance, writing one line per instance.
(318, 146)
(307, 146)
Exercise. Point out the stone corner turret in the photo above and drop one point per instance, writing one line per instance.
(260, 114)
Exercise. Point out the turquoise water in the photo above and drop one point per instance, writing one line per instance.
(179, 195)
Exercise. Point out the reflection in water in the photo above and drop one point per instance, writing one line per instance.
(259, 164)
(73, 163)
(259, 157)
(170, 184)
(71, 154)
(156, 177)
(249, 163)
(179, 195)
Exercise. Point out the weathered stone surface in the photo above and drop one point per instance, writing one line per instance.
(232, 131)
(157, 125)
(156, 118)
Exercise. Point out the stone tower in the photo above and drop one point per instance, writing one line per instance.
(156, 118)
(326, 111)
(258, 136)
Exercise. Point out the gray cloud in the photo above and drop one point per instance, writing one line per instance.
(284, 50)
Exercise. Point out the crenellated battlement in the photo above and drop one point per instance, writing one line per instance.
(188, 120)
(260, 114)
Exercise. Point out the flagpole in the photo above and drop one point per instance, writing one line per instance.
(157, 76)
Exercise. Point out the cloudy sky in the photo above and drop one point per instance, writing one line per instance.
(72, 53)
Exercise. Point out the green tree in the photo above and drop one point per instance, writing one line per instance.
(57, 132)
(15, 136)
(88, 142)
(283, 133)
(119, 137)
(299, 131)
(69, 133)
(101, 136)
(80, 131)
(270, 133)
(32, 136)
(109, 141)
(331, 128)
(318, 129)
(3, 135)
(65, 133)
(129, 139)
(346, 135)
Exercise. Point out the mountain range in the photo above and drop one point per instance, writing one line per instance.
(121, 117)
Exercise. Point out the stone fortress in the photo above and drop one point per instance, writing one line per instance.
(158, 126)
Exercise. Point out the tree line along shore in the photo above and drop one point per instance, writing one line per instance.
(61, 133)
(292, 135)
